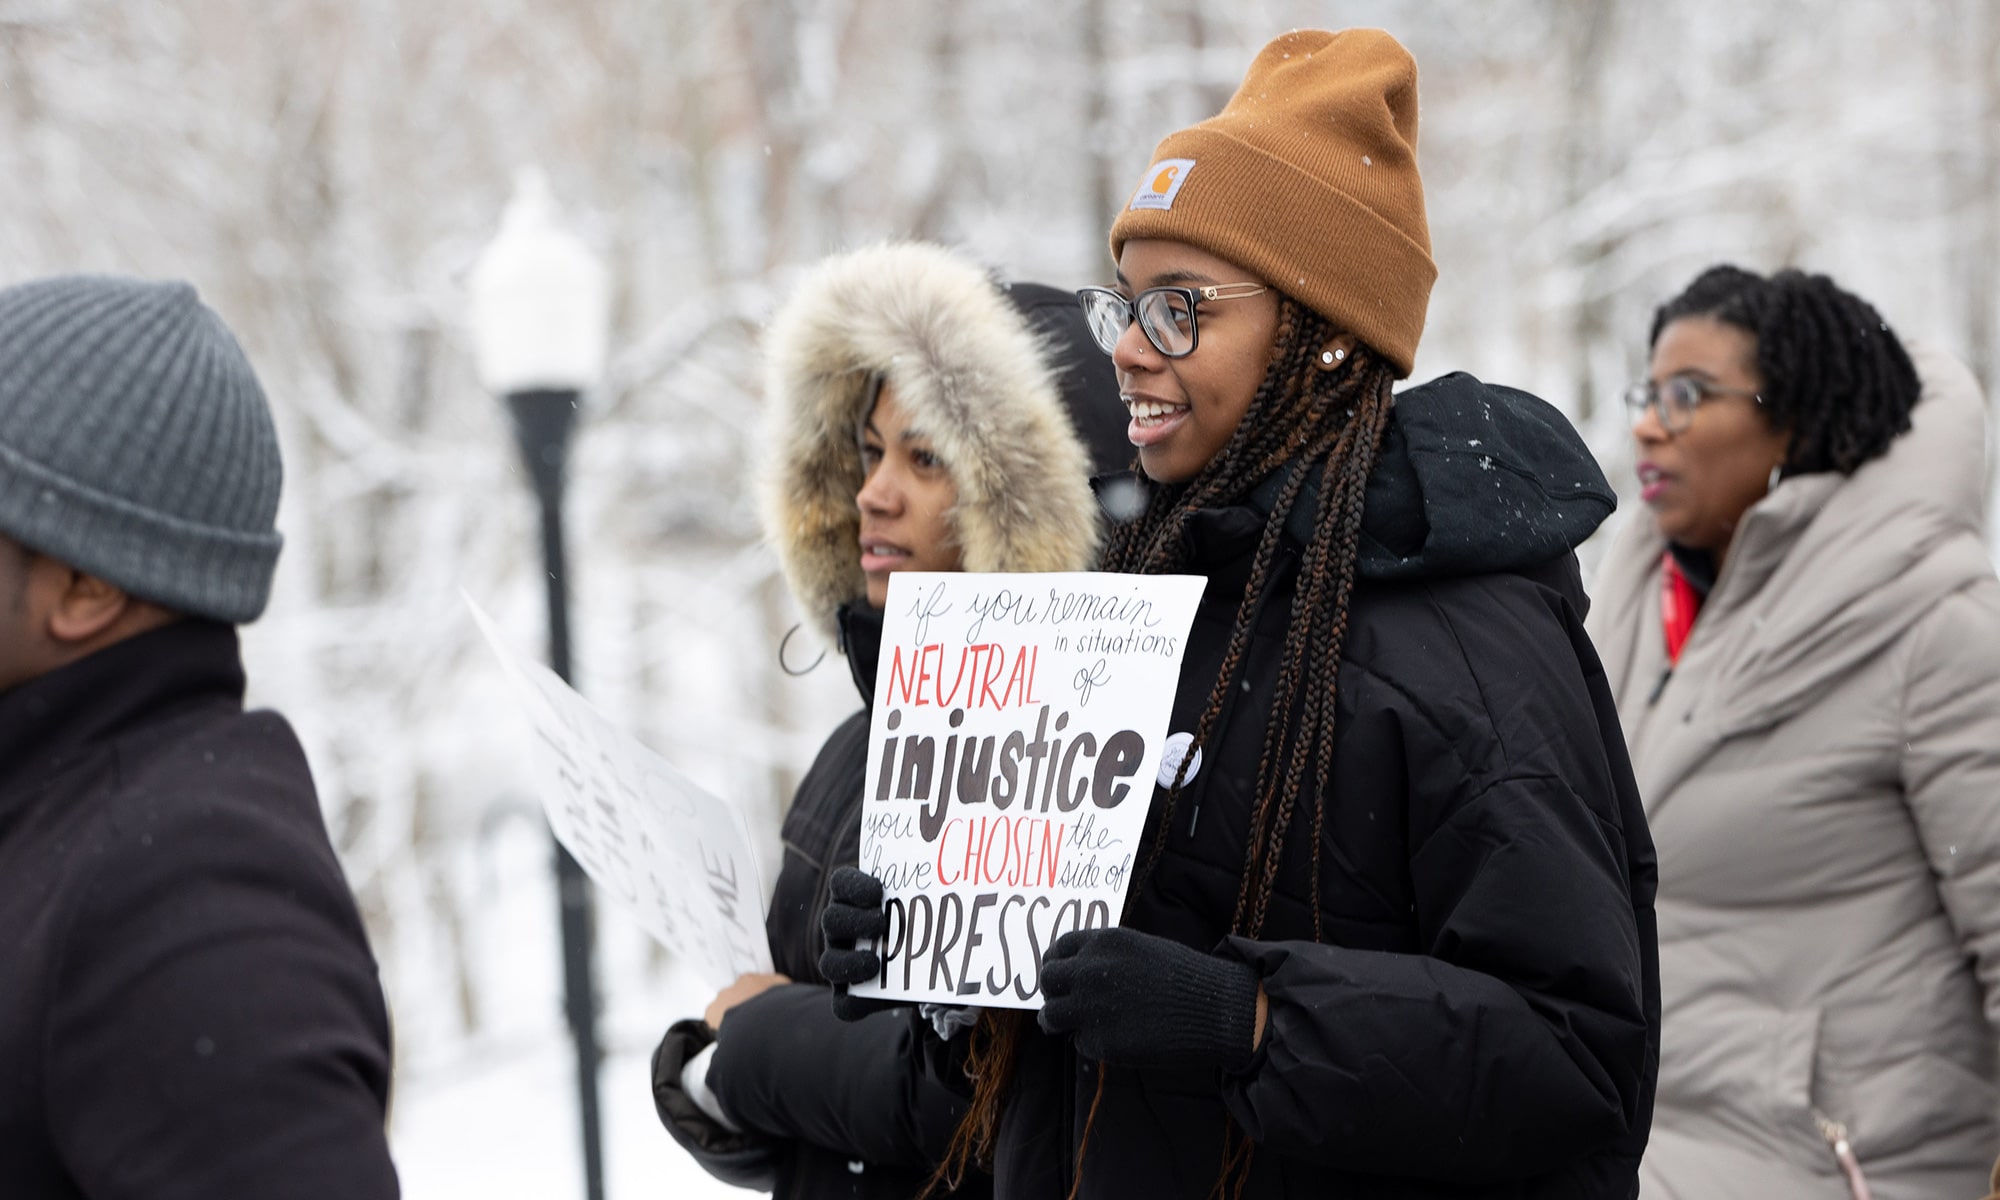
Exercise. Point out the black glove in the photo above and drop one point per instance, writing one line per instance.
(1134, 999)
(853, 911)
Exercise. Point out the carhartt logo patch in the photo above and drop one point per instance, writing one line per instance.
(1163, 183)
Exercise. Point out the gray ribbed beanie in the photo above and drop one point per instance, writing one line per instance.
(136, 444)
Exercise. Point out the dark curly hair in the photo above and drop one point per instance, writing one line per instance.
(1834, 374)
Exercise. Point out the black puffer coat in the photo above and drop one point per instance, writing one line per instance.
(828, 1108)
(188, 1005)
(1009, 388)
(1482, 1020)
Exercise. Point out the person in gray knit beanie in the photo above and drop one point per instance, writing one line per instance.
(136, 444)
(192, 1006)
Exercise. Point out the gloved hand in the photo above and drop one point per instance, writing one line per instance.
(1133, 999)
(853, 911)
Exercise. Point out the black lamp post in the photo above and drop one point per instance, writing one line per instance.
(539, 319)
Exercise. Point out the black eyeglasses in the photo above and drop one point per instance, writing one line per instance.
(1165, 314)
(1677, 398)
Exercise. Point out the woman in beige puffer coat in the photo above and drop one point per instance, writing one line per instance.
(1803, 634)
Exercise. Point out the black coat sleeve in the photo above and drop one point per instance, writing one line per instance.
(220, 1029)
(1519, 1036)
(787, 1067)
(745, 1160)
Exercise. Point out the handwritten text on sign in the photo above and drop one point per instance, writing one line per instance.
(675, 855)
(1016, 734)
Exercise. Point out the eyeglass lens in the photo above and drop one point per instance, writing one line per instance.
(1163, 315)
(1108, 314)
(1674, 401)
(1167, 320)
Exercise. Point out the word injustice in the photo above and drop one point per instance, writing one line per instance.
(972, 772)
(927, 933)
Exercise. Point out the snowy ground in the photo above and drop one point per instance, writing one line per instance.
(510, 1134)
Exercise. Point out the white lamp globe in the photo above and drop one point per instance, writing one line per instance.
(541, 303)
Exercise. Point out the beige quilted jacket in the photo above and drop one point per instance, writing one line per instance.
(1822, 776)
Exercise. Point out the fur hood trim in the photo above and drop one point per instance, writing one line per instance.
(974, 379)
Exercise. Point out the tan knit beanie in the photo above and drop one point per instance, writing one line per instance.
(1308, 178)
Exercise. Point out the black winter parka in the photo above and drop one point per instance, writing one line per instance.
(1482, 1017)
(828, 1108)
(188, 1005)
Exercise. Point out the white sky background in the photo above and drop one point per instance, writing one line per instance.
(326, 171)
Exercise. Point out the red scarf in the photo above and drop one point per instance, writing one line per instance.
(1679, 603)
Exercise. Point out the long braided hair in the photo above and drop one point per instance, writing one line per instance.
(1834, 374)
(1318, 431)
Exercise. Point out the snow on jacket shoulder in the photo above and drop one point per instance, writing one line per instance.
(1821, 772)
(1480, 1019)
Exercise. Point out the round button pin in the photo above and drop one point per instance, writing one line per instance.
(1171, 755)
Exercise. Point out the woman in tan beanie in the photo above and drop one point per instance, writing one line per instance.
(1391, 932)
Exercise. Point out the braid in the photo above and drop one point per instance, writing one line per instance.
(995, 1042)
(1834, 374)
(1315, 636)
(1312, 424)
(1316, 425)
(1153, 543)
(1277, 734)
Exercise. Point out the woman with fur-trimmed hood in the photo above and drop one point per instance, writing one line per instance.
(922, 419)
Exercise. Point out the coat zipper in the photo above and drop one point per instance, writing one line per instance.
(1835, 1134)
(1653, 697)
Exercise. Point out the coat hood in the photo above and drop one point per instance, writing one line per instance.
(1473, 478)
(977, 376)
(1831, 567)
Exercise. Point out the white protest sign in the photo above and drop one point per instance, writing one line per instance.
(674, 855)
(1017, 732)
